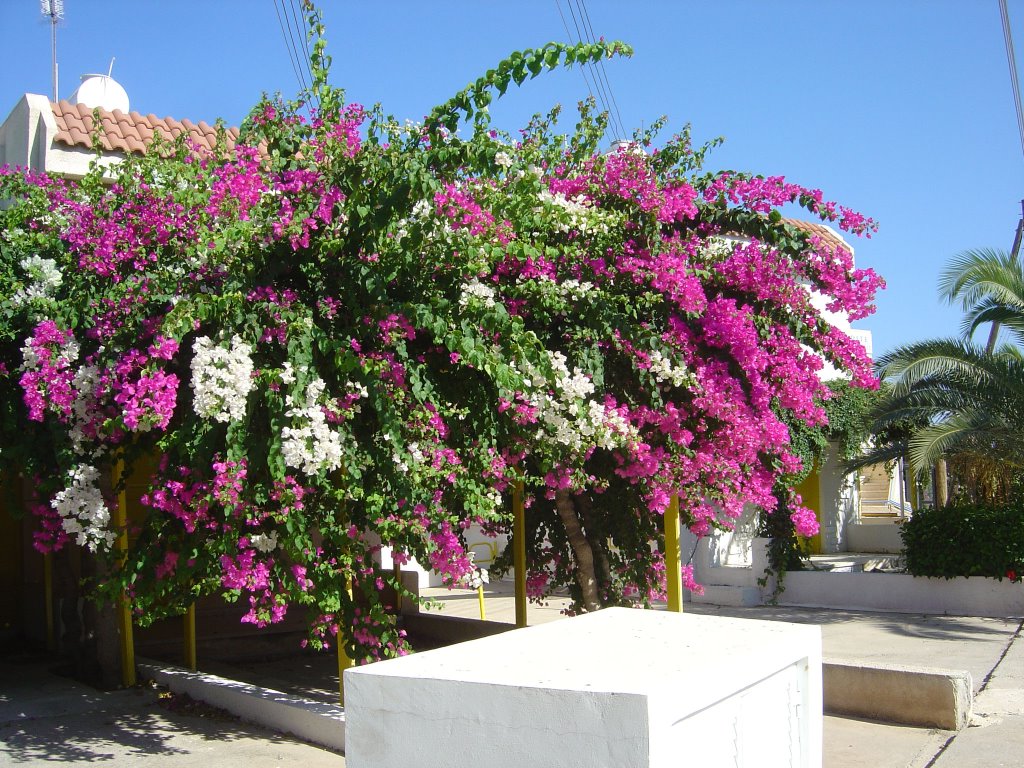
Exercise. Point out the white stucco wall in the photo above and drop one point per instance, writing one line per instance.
(684, 690)
(27, 141)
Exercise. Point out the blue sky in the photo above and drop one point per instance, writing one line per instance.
(902, 110)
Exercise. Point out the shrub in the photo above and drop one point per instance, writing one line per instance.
(965, 540)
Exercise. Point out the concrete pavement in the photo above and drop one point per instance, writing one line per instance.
(45, 719)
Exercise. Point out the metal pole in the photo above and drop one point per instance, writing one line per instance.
(519, 551)
(124, 612)
(673, 568)
(480, 601)
(190, 637)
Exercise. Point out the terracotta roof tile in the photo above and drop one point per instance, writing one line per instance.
(130, 132)
(826, 233)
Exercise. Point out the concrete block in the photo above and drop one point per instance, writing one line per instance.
(921, 696)
(312, 721)
(615, 688)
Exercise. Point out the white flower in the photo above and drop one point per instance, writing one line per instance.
(665, 370)
(479, 578)
(287, 374)
(45, 279)
(264, 542)
(309, 444)
(474, 289)
(503, 159)
(85, 514)
(221, 379)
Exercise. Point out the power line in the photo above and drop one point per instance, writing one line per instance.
(303, 37)
(289, 43)
(583, 70)
(601, 67)
(602, 97)
(1011, 59)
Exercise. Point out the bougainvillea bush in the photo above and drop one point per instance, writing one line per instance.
(349, 331)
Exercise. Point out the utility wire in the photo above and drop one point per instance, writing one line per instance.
(583, 70)
(604, 72)
(593, 72)
(1011, 59)
(300, 25)
(288, 44)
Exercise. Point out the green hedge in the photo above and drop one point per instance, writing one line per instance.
(965, 540)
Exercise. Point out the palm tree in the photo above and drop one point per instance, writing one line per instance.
(989, 286)
(954, 399)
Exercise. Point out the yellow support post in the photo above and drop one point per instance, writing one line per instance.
(480, 600)
(673, 568)
(344, 660)
(190, 637)
(124, 611)
(51, 635)
(519, 551)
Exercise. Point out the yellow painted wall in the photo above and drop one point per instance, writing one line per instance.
(810, 492)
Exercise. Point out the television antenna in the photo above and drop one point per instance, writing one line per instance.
(54, 11)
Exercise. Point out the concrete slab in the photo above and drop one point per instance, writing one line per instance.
(852, 743)
(617, 687)
(46, 720)
(313, 721)
(892, 693)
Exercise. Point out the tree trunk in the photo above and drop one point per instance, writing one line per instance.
(581, 550)
(941, 484)
(604, 569)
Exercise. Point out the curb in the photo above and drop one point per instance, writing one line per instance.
(892, 693)
(312, 721)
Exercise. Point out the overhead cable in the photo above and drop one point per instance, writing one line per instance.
(288, 43)
(1011, 59)
(583, 70)
(602, 69)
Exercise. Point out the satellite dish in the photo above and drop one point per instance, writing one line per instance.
(101, 91)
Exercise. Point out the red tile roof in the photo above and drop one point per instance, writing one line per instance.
(130, 132)
(827, 234)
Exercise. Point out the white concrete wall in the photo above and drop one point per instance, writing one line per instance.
(903, 593)
(881, 536)
(27, 141)
(484, 548)
(684, 690)
(838, 493)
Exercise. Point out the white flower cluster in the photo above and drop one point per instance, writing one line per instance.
(664, 370)
(569, 289)
(503, 159)
(479, 578)
(221, 378)
(87, 379)
(310, 445)
(45, 276)
(474, 289)
(264, 542)
(567, 415)
(577, 213)
(67, 353)
(85, 514)
(716, 248)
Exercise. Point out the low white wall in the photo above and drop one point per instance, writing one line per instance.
(882, 536)
(903, 593)
(740, 692)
